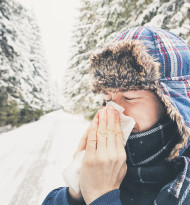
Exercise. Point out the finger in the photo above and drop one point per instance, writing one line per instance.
(102, 121)
(82, 144)
(111, 140)
(111, 119)
(102, 132)
(119, 134)
(101, 143)
(91, 140)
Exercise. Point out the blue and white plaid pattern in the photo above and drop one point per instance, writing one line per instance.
(180, 188)
(174, 55)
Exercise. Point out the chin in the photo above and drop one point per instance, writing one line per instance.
(139, 130)
(136, 129)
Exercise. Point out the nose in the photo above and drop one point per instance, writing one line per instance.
(117, 98)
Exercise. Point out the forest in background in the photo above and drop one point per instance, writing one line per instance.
(101, 21)
(26, 89)
(26, 92)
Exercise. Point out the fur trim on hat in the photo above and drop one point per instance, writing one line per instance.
(175, 115)
(125, 65)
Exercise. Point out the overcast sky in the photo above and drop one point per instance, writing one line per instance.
(56, 19)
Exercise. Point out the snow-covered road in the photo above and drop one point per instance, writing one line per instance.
(33, 157)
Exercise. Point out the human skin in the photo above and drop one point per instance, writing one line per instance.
(143, 105)
(105, 151)
(104, 164)
(147, 109)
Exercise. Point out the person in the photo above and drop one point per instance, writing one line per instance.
(146, 70)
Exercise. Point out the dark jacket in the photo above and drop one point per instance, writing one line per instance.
(137, 194)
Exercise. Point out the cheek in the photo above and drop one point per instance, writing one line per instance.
(144, 114)
(136, 111)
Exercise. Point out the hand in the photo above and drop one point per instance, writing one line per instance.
(83, 141)
(80, 148)
(104, 164)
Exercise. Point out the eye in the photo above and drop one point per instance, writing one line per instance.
(129, 98)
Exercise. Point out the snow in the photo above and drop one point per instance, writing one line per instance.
(33, 157)
(23, 57)
(102, 21)
(187, 5)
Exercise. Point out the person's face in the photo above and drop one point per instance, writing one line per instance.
(143, 105)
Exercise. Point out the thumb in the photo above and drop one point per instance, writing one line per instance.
(92, 140)
(83, 141)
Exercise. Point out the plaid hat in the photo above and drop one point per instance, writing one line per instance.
(148, 58)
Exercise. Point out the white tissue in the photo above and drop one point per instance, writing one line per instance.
(127, 123)
(71, 173)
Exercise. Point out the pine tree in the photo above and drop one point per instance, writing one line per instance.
(100, 22)
(77, 96)
(23, 73)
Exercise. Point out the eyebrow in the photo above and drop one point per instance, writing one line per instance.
(132, 94)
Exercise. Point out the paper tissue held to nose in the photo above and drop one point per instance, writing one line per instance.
(71, 173)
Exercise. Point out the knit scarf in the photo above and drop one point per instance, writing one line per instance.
(147, 152)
